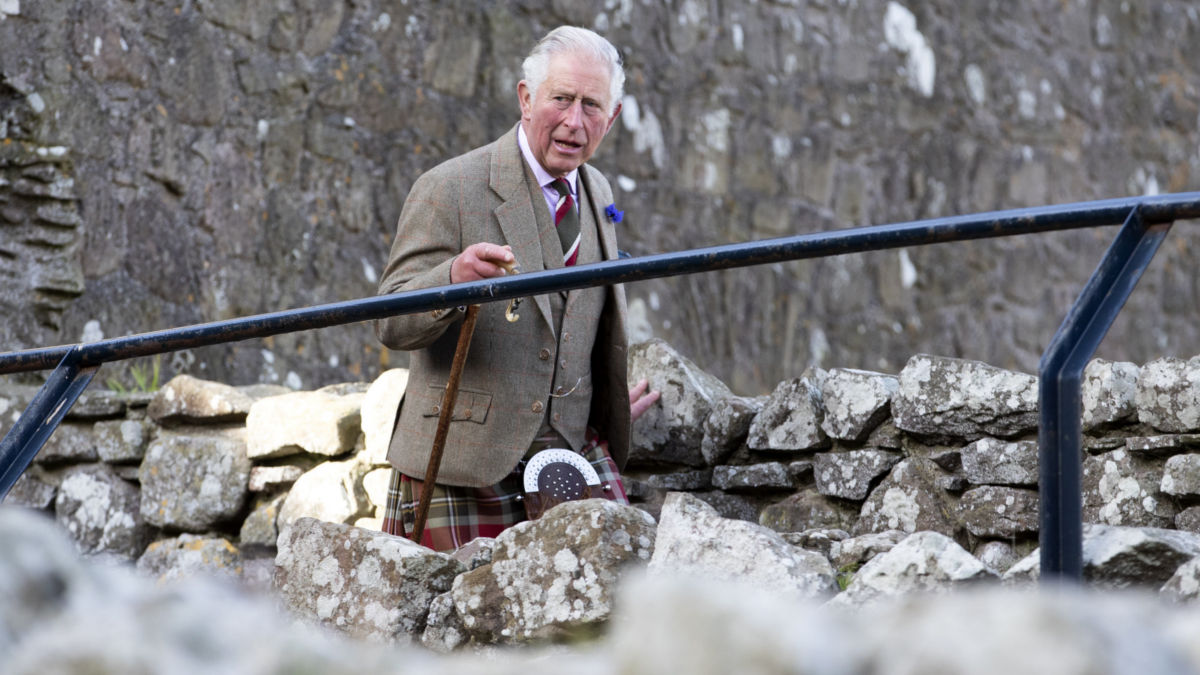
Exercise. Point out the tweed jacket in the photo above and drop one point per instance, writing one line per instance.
(485, 196)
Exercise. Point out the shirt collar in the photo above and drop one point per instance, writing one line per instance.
(543, 177)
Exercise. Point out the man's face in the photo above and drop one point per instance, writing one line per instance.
(566, 118)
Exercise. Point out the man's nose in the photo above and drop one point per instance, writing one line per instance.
(574, 116)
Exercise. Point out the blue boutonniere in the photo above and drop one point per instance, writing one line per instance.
(613, 214)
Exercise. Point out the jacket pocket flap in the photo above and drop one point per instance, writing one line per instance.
(470, 406)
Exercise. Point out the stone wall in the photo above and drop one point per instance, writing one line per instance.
(165, 163)
(945, 445)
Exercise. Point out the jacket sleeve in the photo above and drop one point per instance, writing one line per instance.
(428, 237)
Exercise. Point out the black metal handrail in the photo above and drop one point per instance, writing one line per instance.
(1146, 221)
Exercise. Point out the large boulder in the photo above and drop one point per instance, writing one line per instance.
(363, 583)
(672, 431)
(554, 576)
(58, 615)
(940, 396)
(693, 540)
(1121, 557)
(194, 481)
(922, 562)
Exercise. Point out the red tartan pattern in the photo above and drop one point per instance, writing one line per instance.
(459, 514)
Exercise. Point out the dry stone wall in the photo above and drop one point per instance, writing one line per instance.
(834, 458)
(165, 163)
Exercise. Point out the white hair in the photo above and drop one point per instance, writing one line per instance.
(571, 39)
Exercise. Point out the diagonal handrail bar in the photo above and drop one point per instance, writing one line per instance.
(1059, 400)
(1162, 208)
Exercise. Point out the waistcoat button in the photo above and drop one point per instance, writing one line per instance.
(536, 407)
(544, 354)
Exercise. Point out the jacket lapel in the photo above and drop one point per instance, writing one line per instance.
(516, 215)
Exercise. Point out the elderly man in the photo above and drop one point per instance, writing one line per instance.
(555, 378)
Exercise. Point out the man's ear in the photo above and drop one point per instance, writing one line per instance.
(525, 100)
(611, 120)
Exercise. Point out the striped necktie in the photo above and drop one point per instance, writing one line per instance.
(566, 221)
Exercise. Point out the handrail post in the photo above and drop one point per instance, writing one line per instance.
(1060, 436)
(35, 426)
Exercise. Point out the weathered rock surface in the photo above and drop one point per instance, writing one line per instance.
(69, 443)
(553, 576)
(1120, 488)
(990, 461)
(999, 511)
(856, 401)
(672, 431)
(922, 562)
(1121, 557)
(1109, 393)
(908, 500)
(767, 475)
(968, 399)
(1168, 395)
(316, 422)
(850, 475)
(193, 481)
(331, 491)
(806, 510)
(726, 427)
(366, 584)
(119, 441)
(189, 555)
(792, 416)
(694, 540)
(1181, 476)
(101, 512)
(188, 399)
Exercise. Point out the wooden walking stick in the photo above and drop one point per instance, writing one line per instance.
(449, 398)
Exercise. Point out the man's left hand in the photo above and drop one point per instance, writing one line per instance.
(640, 399)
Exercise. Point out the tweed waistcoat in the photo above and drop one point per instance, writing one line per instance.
(574, 320)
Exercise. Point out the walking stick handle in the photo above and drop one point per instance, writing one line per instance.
(449, 398)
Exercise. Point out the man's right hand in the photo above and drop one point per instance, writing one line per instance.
(481, 261)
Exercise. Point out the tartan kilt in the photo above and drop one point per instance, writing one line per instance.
(459, 514)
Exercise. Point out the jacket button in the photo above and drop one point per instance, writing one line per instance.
(559, 390)
(537, 406)
(544, 354)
